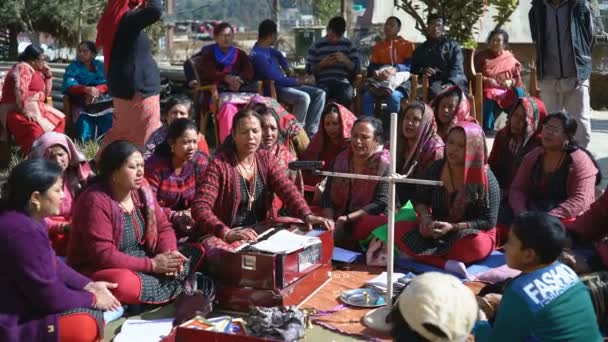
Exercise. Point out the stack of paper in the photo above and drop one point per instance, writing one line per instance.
(285, 242)
(399, 281)
(144, 330)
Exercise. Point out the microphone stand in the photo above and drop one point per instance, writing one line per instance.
(376, 319)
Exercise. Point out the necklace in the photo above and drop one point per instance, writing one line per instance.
(245, 167)
(123, 207)
(250, 193)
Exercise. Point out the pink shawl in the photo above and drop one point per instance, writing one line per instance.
(317, 143)
(77, 159)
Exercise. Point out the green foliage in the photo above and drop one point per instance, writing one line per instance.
(462, 16)
(324, 10)
(16, 157)
(155, 32)
(242, 13)
(57, 17)
(89, 148)
(505, 10)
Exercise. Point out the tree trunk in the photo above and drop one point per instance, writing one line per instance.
(79, 21)
(13, 44)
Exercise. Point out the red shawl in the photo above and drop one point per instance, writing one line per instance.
(354, 194)
(108, 25)
(475, 171)
(427, 148)
(462, 112)
(500, 67)
(317, 143)
(319, 148)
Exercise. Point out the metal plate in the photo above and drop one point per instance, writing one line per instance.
(363, 298)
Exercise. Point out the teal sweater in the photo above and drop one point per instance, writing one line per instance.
(549, 304)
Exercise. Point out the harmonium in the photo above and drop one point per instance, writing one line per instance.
(283, 267)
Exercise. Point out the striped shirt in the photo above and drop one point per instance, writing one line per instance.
(323, 48)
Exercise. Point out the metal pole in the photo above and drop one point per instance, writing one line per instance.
(394, 178)
(391, 212)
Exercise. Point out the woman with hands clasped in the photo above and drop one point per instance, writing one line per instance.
(121, 234)
(456, 221)
(42, 298)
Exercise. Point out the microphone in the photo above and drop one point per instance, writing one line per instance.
(306, 165)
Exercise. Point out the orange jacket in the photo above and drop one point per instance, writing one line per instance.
(397, 52)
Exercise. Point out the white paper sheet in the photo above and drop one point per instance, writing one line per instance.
(380, 281)
(139, 330)
(285, 242)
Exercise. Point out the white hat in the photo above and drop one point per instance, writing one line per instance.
(442, 301)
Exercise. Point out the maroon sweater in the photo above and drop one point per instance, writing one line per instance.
(591, 226)
(211, 72)
(97, 227)
(580, 185)
(35, 286)
(216, 201)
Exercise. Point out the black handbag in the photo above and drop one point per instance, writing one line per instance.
(195, 300)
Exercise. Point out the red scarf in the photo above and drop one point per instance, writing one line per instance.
(317, 143)
(462, 112)
(500, 67)
(476, 186)
(108, 25)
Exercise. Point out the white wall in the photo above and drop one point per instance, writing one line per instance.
(518, 28)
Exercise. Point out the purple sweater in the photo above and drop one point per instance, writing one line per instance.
(36, 285)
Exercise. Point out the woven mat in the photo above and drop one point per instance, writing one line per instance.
(349, 320)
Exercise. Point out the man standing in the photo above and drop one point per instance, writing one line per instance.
(334, 61)
(270, 64)
(562, 31)
(439, 58)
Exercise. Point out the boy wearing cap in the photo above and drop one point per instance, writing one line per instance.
(434, 307)
(547, 302)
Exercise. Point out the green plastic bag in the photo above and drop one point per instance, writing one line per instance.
(406, 213)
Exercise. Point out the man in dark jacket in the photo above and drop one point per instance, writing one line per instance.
(439, 58)
(563, 33)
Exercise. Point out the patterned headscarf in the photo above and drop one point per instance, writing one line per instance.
(288, 124)
(317, 143)
(426, 142)
(475, 170)
(462, 112)
(76, 158)
(535, 114)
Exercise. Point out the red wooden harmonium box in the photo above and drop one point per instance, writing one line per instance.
(250, 278)
(199, 329)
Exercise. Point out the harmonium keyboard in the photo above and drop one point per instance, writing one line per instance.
(274, 270)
